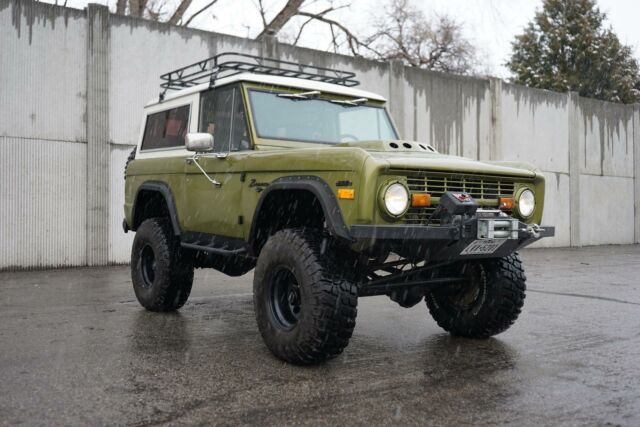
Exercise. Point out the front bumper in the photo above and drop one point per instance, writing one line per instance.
(449, 241)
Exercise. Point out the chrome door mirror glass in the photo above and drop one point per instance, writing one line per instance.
(199, 142)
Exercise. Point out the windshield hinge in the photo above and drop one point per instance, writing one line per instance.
(303, 95)
(351, 102)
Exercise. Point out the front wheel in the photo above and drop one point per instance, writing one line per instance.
(487, 302)
(304, 307)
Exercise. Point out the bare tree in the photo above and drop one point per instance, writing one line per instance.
(404, 33)
(177, 15)
(202, 9)
(340, 33)
(400, 32)
(290, 9)
(160, 10)
(121, 6)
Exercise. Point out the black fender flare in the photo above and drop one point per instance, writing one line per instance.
(319, 188)
(165, 191)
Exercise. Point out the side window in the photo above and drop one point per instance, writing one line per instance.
(166, 129)
(222, 114)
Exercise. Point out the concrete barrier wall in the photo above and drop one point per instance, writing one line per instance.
(73, 84)
(607, 174)
(534, 128)
(42, 135)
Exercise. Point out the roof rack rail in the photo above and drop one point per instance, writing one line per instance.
(231, 63)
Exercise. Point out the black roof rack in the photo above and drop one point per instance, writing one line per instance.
(231, 63)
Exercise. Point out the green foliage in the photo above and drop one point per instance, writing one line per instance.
(567, 48)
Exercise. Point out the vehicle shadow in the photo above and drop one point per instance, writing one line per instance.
(456, 354)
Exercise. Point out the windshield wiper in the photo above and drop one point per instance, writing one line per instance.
(299, 96)
(351, 102)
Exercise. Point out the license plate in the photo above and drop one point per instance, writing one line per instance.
(484, 246)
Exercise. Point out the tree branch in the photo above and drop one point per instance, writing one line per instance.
(262, 13)
(142, 6)
(289, 10)
(179, 12)
(324, 12)
(191, 18)
(121, 7)
(353, 41)
(134, 7)
(304, 24)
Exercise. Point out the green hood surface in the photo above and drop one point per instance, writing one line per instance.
(445, 163)
(347, 156)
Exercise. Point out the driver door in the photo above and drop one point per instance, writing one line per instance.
(215, 209)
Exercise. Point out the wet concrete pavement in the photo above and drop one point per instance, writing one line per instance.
(77, 349)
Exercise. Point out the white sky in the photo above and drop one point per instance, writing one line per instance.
(490, 24)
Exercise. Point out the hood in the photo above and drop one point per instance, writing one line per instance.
(421, 156)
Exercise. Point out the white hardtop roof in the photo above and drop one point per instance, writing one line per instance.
(276, 81)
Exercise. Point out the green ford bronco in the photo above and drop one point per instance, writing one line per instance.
(288, 169)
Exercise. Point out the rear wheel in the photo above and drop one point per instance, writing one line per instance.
(488, 301)
(161, 279)
(304, 308)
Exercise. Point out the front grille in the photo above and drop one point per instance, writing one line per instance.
(485, 189)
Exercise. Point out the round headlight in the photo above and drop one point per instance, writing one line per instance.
(396, 199)
(526, 203)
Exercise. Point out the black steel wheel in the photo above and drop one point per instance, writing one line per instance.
(161, 279)
(486, 303)
(285, 299)
(304, 307)
(147, 266)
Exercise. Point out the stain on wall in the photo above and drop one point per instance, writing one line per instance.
(607, 138)
(448, 111)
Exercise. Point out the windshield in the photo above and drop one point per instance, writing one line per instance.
(317, 120)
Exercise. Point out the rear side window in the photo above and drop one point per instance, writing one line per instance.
(166, 129)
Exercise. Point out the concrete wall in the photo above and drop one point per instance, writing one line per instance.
(42, 135)
(534, 127)
(607, 176)
(73, 83)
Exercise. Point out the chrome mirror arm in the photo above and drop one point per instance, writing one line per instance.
(194, 160)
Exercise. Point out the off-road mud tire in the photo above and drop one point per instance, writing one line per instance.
(172, 278)
(502, 297)
(328, 302)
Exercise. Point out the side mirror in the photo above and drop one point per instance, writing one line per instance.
(199, 142)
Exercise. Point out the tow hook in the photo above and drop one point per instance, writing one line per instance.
(534, 230)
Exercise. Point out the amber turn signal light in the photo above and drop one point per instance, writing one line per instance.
(506, 203)
(421, 199)
(346, 193)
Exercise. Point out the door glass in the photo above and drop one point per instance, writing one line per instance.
(223, 116)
